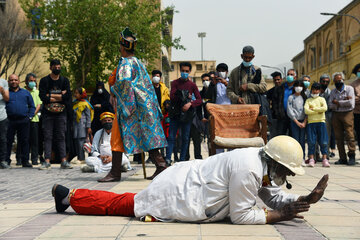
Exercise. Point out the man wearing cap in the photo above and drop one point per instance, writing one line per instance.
(138, 111)
(225, 184)
(245, 79)
(101, 157)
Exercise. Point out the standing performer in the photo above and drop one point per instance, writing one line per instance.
(225, 184)
(138, 112)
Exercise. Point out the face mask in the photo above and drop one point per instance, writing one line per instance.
(358, 74)
(184, 75)
(339, 85)
(56, 71)
(31, 85)
(206, 83)
(100, 91)
(323, 86)
(107, 125)
(306, 84)
(222, 74)
(247, 64)
(298, 89)
(289, 78)
(278, 180)
(314, 95)
(156, 79)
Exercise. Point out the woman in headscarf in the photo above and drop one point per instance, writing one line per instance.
(100, 102)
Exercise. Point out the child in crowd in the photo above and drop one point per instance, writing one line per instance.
(296, 113)
(315, 108)
(83, 115)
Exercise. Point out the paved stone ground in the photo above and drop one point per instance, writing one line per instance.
(27, 209)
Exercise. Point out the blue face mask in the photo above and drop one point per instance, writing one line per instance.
(306, 84)
(32, 85)
(289, 78)
(184, 75)
(358, 74)
(247, 64)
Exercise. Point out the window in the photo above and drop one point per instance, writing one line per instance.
(172, 67)
(341, 48)
(312, 62)
(2, 5)
(320, 57)
(199, 67)
(331, 52)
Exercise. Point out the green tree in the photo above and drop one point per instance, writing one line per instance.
(84, 34)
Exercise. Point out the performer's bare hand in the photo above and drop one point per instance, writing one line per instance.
(241, 100)
(288, 212)
(318, 191)
(186, 107)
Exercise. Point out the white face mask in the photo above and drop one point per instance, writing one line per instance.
(156, 79)
(314, 95)
(100, 91)
(206, 83)
(298, 89)
(222, 74)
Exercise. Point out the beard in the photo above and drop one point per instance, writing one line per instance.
(278, 180)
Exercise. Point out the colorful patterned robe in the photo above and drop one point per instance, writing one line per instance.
(138, 110)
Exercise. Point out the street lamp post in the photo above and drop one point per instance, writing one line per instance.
(341, 14)
(202, 35)
(276, 69)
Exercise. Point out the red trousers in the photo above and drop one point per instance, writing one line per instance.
(95, 202)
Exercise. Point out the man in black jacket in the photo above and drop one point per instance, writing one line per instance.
(279, 104)
(277, 78)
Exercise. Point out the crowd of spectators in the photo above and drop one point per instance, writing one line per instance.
(53, 124)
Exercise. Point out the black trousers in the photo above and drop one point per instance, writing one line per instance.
(22, 129)
(195, 135)
(3, 139)
(34, 141)
(54, 128)
(357, 127)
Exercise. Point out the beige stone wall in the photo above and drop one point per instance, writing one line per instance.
(334, 47)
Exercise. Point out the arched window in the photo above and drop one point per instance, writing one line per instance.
(320, 57)
(341, 48)
(312, 60)
(331, 52)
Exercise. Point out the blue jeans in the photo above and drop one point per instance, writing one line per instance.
(317, 131)
(298, 134)
(185, 138)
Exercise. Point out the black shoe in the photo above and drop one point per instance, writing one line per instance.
(351, 161)
(66, 165)
(59, 192)
(18, 163)
(4, 165)
(332, 154)
(34, 162)
(27, 165)
(341, 162)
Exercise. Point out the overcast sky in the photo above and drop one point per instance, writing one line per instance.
(275, 28)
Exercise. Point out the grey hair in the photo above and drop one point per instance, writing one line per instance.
(324, 76)
(292, 69)
(28, 76)
(338, 73)
(248, 49)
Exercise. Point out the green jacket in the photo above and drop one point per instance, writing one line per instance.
(257, 84)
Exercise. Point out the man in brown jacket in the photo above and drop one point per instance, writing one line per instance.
(245, 79)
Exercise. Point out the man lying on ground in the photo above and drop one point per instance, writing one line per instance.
(209, 190)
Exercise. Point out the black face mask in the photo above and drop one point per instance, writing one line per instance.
(324, 87)
(107, 125)
(339, 85)
(56, 71)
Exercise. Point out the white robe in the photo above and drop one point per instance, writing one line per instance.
(209, 190)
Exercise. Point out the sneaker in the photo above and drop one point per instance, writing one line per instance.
(65, 165)
(87, 168)
(325, 163)
(341, 162)
(332, 154)
(45, 166)
(303, 163)
(311, 163)
(4, 165)
(60, 192)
